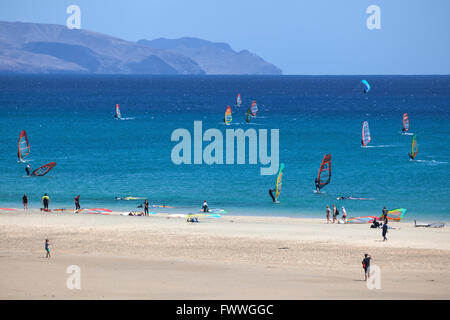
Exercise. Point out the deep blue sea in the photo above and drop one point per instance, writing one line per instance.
(70, 120)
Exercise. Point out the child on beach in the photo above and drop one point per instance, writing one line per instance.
(366, 266)
(47, 249)
(328, 214)
(25, 202)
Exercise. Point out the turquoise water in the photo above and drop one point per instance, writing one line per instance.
(70, 120)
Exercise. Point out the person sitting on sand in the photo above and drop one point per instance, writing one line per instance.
(366, 266)
(205, 206)
(328, 214)
(192, 219)
(375, 224)
(47, 248)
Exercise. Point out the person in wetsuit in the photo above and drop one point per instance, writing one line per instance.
(385, 228)
(271, 191)
(28, 169)
(77, 202)
(411, 155)
(317, 185)
(366, 266)
(146, 207)
(45, 201)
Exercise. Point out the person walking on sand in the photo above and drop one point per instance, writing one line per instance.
(385, 230)
(344, 215)
(328, 214)
(146, 207)
(25, 202)
(77, 202)
(47, 248)
(366, 266)
(45, 201)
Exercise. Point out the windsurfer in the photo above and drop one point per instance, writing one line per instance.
(411, 155)
(28, 169)
(271, 191)
(317, 185)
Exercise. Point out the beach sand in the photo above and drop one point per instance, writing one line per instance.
(233, 257)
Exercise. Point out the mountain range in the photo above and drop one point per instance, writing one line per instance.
(49, 48)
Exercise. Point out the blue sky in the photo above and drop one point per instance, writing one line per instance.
(300, 37)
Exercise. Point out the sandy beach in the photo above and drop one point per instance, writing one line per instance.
(233, 257)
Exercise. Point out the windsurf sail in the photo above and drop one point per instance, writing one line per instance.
(364, 219)
(365, 134)
(414, 148)
(396, 214)
(405, 122)
(324, 176)
(279, 182)
(24, 146)
(228, 117)
(254, 108)
(44, 169)
(248, 116)
(238, 100)
(118, 114)
(366, 86)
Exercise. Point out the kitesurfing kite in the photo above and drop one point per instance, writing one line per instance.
(405, 123)
(364, 219)
(396, 214)
(365, 134)
(254, 108)
(228, 117)
(24, 146)
(324, 176)
(238, 100)
(279, 183)
(366, 86)
(118, 114)
(414, 148)
(42, 171)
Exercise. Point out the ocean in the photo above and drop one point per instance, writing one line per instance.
(69, 119)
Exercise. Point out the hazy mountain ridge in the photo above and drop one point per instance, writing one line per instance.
(49, 48)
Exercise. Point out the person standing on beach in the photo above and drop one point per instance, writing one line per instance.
(366, 266)
(47, 248)
(25, 202)
(328, 214)
(205, 206)
(146, 207)
(385, 229)
(344, 215)
(335, 213)
(77, 202)
(45, 201)
(384, 214)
